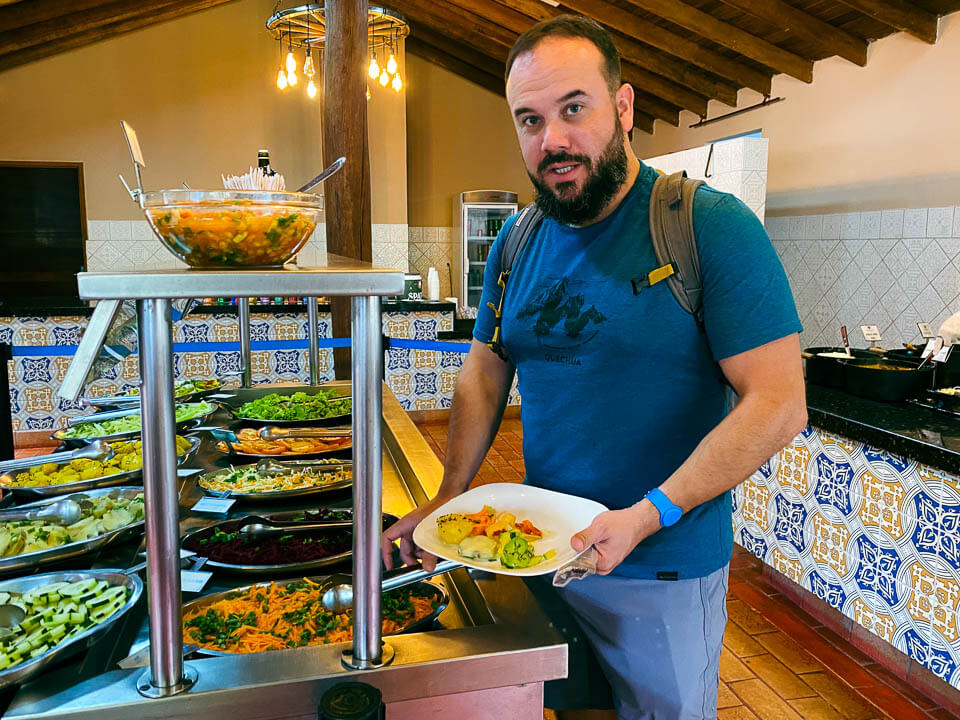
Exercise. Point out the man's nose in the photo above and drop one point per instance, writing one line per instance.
(555, 137)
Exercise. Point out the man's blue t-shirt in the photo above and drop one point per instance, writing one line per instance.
(618, 389)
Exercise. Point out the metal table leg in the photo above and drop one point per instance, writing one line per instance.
(313, 340)
(243, 317)
(161, 506)
(368, 652)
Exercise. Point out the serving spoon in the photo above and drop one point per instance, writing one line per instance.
(338, 592)
(10, 617)
(331, 169)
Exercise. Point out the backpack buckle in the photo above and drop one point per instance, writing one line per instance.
(652, 278)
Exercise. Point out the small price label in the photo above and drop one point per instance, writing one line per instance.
(216, 506)
(871, 333)
(188, 472)
(943, 355)
(193, 581)
(925, 330)
(221, 396)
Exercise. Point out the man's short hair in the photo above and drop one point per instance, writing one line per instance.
(571, 26)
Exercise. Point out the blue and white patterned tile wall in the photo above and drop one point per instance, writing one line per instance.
(875, 535)
(890, 268)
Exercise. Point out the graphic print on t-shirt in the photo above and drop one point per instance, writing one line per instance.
(561, 317)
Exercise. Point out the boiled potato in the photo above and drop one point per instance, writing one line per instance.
(454, 527)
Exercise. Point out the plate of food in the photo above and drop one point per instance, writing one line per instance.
(65, 612)
(107, 515)
(323, 407)
(128, 426)
(124, 467)
(507, 528)
(288, 480)
(229, 550)
(288, 614)
(250, 445)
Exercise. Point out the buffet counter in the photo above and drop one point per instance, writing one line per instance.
(489, 653)
(862, 510)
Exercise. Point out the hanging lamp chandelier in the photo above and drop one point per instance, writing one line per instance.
(303, 27)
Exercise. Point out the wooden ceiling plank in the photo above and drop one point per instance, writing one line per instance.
(52, 30)
(653, 62)
(88, 37)
(901, 15)
(663, 39)
(730, 36)
(796, 22)
(642, 121)
(458, 66)
(458, 50)
(486, 37)
(655, 87)
(35, 11)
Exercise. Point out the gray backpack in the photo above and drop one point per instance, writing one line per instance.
(671, 227)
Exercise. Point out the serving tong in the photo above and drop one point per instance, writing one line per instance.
(258, 525)
(97, 450)
(100, 417)
(274, 433)
(62, 512)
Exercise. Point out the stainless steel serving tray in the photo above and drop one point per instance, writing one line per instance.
(82, 547)
(190, 397)
(284, 458)
(259, 570)
(183, 425)
(123, 478)
(424, 588)
(22, 672)
(279, 494)
(233, 406)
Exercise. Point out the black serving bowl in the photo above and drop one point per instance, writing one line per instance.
(829, 371)
(886, 380)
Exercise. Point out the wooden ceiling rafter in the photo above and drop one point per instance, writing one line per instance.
(901, 15)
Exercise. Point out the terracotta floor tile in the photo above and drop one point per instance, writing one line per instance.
(741, 644)
(763, 701)
(778, 676)
(748, 618)
(740, 712)
(788, 652)
(845, 647)
(845, 699)
(815, 708)
(901, 686)
(725, 697)
(732, 668)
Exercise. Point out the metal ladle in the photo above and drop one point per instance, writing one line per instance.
(62, 512)
(332, 169)
(338, 592)
(99, 449)
(10, 617)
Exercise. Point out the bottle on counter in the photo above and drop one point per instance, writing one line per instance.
(263, 162)
(351, 701)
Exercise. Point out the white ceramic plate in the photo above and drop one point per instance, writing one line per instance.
(557, 515)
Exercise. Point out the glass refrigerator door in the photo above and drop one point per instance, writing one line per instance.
(481, 223)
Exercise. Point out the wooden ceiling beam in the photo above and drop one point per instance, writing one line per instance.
(640, 77)
(827, 37)
(901, 15)
(642, 121)
(681, 47)
(645, 57)
(36, 11)
(450, 46)
(88, 37)
(457, 65)
(730, 36)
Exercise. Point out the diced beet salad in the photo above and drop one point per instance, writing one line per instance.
(226, 545)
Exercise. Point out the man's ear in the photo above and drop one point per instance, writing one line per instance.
(623, 99)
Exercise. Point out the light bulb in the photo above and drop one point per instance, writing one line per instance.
(374, 70)
(291, 62)
(311, 89)
(396, 83)
(308, 65)
(291, 78)
(384, 78)
(281, 79)
(391, 64)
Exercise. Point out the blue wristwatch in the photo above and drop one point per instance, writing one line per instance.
(669, 513)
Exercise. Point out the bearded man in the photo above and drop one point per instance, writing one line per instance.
(625, 394)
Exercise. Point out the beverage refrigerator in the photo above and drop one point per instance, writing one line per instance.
(479, 215)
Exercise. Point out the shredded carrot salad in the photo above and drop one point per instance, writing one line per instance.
(275, 617)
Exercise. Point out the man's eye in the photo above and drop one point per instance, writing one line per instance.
(574, 108)
(530, 121)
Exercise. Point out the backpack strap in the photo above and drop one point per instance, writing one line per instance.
(671, 228)
(513, 244)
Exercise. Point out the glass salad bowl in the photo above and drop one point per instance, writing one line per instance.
(232, 228)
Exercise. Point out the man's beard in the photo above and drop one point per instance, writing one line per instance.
(602, 183)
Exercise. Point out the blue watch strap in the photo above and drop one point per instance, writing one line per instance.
(669, 513)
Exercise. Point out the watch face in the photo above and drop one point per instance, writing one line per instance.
(670, 516)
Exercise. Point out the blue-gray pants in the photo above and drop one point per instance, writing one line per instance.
(656, 642)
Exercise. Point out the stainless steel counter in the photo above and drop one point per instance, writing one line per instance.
(493, 637)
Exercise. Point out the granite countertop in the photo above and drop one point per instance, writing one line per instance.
(918, 433)
(386, 306)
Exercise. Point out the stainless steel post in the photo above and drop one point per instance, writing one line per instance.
(367, 489)
(243, 317)
(313, 340)
(165, 676)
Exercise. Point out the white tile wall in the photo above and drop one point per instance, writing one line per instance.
(891, 268)
(432, 247)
